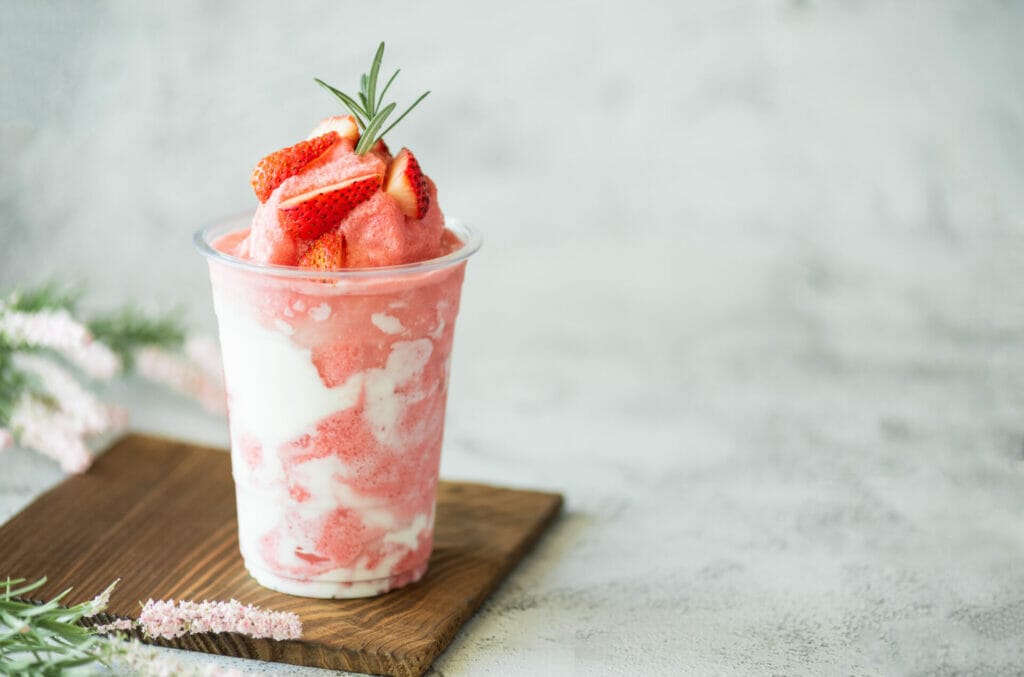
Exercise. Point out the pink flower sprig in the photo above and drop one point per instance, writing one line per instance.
(59, 418)
(118, 625)
(196, 372)
(50, 432)
(95, 359)
(47, 328)
(47, 639)
(57, 330)
(169, 619)
(86, 414)
(43, 405)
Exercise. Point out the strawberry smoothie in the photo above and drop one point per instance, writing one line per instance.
(336, 304)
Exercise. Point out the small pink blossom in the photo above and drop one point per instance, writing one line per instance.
(59, 425)
(100, 602)
(167, 619)
(178, 372)
(43, 329)
(6, 439)
(51, 432)
(125, 624)
(86, 414)
(95, 359)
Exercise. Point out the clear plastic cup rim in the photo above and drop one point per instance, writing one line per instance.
(210, 233)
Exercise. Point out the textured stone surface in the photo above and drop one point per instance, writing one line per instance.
(751, 294)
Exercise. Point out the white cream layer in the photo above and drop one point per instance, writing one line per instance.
(255, 514)
(276, 392)
(276, 396)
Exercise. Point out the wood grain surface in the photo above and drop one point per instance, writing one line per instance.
(160, 515)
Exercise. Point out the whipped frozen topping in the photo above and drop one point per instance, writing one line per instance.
(327, 207)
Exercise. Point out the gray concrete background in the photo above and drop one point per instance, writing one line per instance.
(751, 293)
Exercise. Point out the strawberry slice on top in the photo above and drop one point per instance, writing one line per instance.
(344, 125)
(327, 253)
(271, 171)
(310, 215)
(406, 183)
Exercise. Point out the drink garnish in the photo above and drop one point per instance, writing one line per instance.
(369, 111)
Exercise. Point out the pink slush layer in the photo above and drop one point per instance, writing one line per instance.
(341, 331)
(376, 232)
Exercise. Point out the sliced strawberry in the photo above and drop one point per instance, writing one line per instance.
(310, 215)
(344, 125)
(327, 253)
(406, 183)
(271, 171)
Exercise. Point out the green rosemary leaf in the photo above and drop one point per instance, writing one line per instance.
(63, 630)
(128, 329)
(361, 116)
(368, 103)
(63, 664)
(10, 607)
(10, 636)
(13, 383)
(9, 619)
(19, 592)
(369, 114)
(44, 639)
(387, 86)
(43, 609)
(371, 84)
(370, 135)
(414, 103)
(49, 295)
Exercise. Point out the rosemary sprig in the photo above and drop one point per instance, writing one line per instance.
(45, 639)
(123, 330)
(49, 295)
(127, 329)
(368, 110)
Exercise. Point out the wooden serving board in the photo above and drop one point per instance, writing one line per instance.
(160, 515)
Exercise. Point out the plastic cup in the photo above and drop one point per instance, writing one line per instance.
(337, 383)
